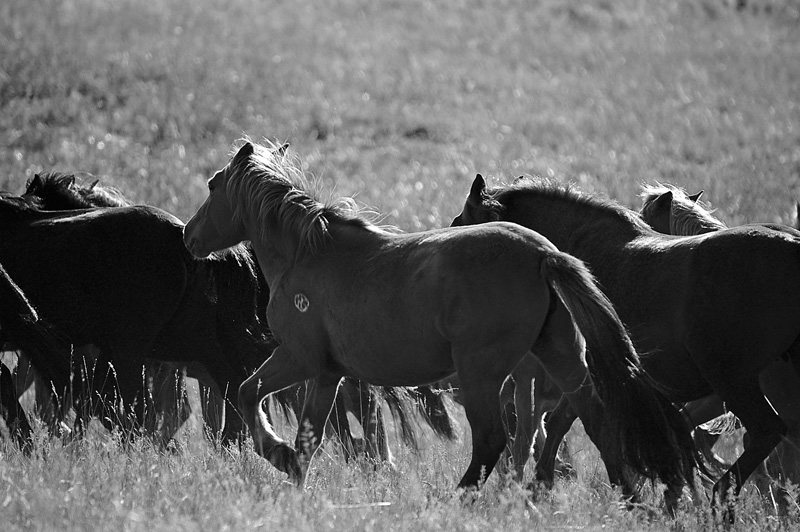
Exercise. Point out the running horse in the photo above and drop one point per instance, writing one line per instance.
(351, 299)
(711, 312)
(668, 209)
(121, 279)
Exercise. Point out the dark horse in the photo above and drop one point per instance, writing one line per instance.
(57, 191)
(670, 210)
(711, 312)
(120, 279)
(348, 298)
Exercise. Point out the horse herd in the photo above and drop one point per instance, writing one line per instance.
(269, 293)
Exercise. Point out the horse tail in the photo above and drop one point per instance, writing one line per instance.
(434, 411)
(402, 407)
(419, 403)
(652, 436)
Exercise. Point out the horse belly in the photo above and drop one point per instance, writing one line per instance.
(401, 356)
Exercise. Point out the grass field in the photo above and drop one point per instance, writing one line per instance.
(398, 104)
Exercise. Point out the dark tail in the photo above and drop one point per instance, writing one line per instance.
(434, 411)
(654, 439)
(419, 403)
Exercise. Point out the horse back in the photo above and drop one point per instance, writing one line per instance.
(416, 296)
(105, 269)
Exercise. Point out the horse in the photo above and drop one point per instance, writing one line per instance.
(670, 210)
(57, 191)
(710, 312)
(350, 298)
(79, 266)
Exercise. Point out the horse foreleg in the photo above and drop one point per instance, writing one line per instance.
(280, 371)
(320, 396)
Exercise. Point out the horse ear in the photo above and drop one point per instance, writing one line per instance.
(476, 191)
(664, 201)
(283, 149)
(797, 207)
(34, 183)
(244, 153)
(695, 197)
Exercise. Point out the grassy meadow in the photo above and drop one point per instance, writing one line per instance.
(398, 104)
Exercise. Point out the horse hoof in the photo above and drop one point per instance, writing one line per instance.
(538, 490)
(285, 459)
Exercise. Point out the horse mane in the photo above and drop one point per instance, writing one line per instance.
(271, 186)
(495, 197)
(69, 193)
(687, 216)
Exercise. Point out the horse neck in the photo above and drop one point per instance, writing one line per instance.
(274, 255)
(571, 224)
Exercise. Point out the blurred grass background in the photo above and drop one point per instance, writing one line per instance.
(401, 103)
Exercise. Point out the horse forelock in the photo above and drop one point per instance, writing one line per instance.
(271, 188)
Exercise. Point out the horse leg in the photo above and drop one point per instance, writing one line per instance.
(219, 380)
(122, 390)
(279, 371)
(320, 396)
(558, 423)
(509, 415)
(170, 403)
(480, 394)
(523, 436)
(339, 423)
(15, 418)
(482, 406)
(560, 348)
(764, 428)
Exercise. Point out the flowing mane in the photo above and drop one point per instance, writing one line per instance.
(62, 191)
(687, 216)
(270, 186)
(494, 198)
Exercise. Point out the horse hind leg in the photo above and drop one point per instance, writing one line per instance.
(480, 395)
(560, 349)
(524, 409)
(15, 418)
(765, 430)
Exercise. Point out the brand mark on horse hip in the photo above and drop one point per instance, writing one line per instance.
(301, 302)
